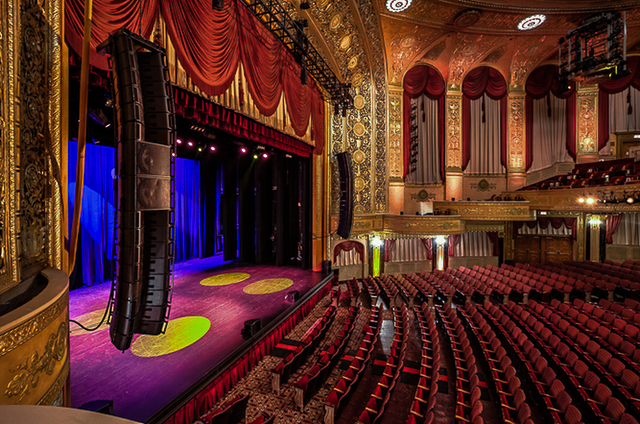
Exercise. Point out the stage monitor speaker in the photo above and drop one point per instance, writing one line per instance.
(346, 194)
(252, 327)
(145, 172)
(292, 296)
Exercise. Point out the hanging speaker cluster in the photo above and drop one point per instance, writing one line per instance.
(346, 194)
(145, 174)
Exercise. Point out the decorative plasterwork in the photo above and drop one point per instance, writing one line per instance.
(516, 141)
(587, 122)
(396, 164)
(490, 211)
(527, 54)
(469, 49)
(454, 131)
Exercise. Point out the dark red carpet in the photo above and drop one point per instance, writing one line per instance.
(140, 386)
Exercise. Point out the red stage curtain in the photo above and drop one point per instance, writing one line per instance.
(613, 87)
(612, 224)
(349, 245)
(495, 242)
(428, 243)
(477, 82)
(540, 83)
(108, 16)
(210, 44)
(207, 41)
(388, 247)
(423, 79)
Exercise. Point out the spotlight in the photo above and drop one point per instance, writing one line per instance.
(173, 154)
(178, 141)
(243, 150)
(212, 148)
(265, 155)
(581, 200)
(190, 143)
(200, 148)
(440, 240)
(255, 156)
(377, 242)
(631, 200)
(590, 201)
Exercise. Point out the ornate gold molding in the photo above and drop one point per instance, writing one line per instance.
(587, 122)
(493, 211)
(396, 163)
(454, 131)
(516, 142)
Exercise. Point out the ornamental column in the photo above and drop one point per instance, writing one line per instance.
(396, 163)
(587, 111)
(516, 139)
(453, 143)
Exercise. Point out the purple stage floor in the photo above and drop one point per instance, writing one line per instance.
(141, 385)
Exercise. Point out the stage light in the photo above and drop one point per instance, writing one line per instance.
(265, 155)
(581, 200)
(376, 242)
(631, 200)
(243, 150)
(173, 154)
(212, 148)
(255, 156)
(595, 221)
(440, 240)
(200, 148)
(178, 141)
(190, 143)
(590, 200)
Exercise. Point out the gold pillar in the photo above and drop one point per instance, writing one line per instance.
(320, 211)
(587, 134)
(516, 141)
(507, 245)
(453, 140)
(594, 222)
(396, 151)
(581, 237)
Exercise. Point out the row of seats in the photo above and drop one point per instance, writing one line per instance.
(381, 394)
(372, 289)
(281, 373)
(407, 290)
(309, 384)
(505, 383)
(343, 389)
(424, 399)
(469, 407)
(608, 271)
(604, 173)
(389, 290)
(629, 309)
(590, 379)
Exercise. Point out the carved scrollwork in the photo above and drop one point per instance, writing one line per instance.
(516, 134)
(27, 374)
(454, 131)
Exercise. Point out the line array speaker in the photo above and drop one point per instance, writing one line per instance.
(346, 194)
(144, 168)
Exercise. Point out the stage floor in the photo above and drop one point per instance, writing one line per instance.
(211, 301)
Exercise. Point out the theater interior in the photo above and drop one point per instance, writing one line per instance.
(320, 211)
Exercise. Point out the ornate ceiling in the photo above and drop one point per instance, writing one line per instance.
(458, 35)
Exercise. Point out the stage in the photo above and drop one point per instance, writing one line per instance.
(211, 302)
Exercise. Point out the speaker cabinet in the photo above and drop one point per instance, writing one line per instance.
(346, 194)
(144, 168)
(252, 327)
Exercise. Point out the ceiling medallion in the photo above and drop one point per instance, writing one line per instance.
(397, 5)
(531, 22)
(466, 18)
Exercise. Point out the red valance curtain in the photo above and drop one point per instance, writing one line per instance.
(543, 82)
(108, 16)
(428, 244)
(203, 111)
(570, 223)
(612, 223)
(210, 45)
(423, 79)
(478, 82)
(347, 246)
(613, 87)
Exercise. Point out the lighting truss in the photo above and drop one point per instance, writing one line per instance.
(291, 34)
(596, 50)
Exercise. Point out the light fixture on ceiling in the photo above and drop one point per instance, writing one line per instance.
(397, 5)
(531, 22)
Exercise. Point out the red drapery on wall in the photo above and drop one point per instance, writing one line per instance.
(541, 82)
(613, 87)
(422, 79)
(495, 242)
(612, 224)
(453, 240)
(388, 247)
(210, 44)
(428, 244)
(349, 245)
(477, 82)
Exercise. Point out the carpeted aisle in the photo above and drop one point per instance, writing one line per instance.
(210, 304)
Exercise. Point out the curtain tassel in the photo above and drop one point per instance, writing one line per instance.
(549, 105)
(484, 115)
(630, 108)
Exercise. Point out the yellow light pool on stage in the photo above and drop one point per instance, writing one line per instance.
(181, 332)
(225, 279)
(89, 320)
(270, 285)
